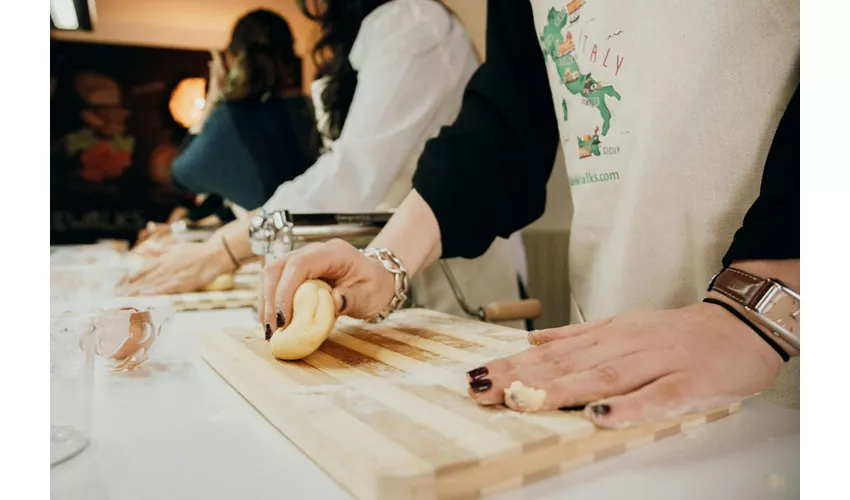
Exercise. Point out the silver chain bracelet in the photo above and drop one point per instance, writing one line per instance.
(391, 263)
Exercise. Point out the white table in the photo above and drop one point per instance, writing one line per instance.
(175, 429)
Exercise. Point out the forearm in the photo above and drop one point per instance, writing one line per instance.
(412, 234)
(235, 234)
(198, 126)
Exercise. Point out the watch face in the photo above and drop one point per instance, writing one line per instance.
(782, 308)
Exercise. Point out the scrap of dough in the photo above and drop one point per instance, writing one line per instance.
(313, 319)
(525, 398)
(220, 284)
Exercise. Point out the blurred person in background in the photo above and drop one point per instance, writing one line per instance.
(391, 74)
(257, 130)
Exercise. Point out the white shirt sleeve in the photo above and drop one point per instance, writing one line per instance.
(405, 70)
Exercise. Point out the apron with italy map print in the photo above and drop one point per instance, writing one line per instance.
(666, 111)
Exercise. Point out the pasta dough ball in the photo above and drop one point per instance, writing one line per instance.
(313, 319)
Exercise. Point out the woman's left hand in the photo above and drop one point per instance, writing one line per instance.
(637, 367)
(186, 267)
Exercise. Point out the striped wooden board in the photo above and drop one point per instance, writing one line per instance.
(243, 295)
(384, 410)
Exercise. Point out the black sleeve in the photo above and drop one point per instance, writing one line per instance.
(485, 175)
(771, 228)
(211, 205)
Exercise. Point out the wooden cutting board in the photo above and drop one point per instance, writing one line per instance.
(202, 301)
(244, 294)
(384, 410)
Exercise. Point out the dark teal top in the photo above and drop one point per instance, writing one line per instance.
(246, 149)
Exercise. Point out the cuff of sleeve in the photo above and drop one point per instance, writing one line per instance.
(763, 244)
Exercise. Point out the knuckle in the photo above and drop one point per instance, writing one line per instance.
(337, 244)
(310, 248)
(563, 366)
(670, 390)
(295, 263)
(607, 374)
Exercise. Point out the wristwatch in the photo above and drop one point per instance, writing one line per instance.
(767, 301)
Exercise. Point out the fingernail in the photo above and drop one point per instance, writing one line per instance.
(268, 331)
(477, 373)
(344, 303)
(280, 319)
(600, 410)
(481, 385)
(571, 408)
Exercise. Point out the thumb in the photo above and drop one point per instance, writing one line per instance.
(540, 337)
(346, 302)
(341, 304)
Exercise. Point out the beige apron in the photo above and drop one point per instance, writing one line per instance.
(666, 111)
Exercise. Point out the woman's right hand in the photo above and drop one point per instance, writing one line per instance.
(152, 230)
(361, 286)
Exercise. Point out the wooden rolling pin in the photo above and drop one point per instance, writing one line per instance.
(512, 310)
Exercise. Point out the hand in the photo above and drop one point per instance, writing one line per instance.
(638, 367)
(361, 286)
(153, 230)
(186, 267)
(218, 71)
(155, 243)
(216, 82)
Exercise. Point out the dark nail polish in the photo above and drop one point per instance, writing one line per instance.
(344, 303)
(268, 331)
(571, 408)
(280, 319)
(481, 385)
(477, 373)
(600, 410)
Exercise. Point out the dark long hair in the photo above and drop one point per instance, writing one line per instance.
(266, 64)
(340, 21)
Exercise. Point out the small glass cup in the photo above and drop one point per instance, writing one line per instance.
(71, 384)
(126, 329)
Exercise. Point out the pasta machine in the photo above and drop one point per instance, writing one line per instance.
(276, 233)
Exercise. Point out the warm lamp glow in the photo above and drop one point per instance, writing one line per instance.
(188, 101)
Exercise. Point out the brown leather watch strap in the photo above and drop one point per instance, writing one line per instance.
(742, 287)
(768, 302)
